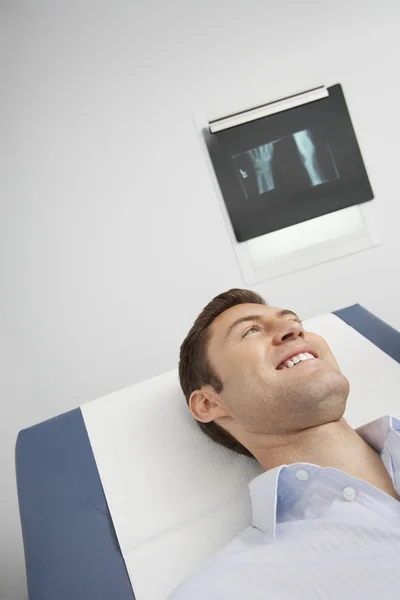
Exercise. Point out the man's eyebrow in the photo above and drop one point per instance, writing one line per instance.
(280, 314)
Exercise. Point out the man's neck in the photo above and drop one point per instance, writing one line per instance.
(334, 445)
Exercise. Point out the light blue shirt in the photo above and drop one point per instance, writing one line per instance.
(317, 533)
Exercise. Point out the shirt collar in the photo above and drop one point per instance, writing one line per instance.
(381, 434)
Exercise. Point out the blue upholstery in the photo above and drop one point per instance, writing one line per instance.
(71, 549)
(376, 331)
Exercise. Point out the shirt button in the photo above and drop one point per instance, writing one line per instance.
(302, 475)
(349, 493)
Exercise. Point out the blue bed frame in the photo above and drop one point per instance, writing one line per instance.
(71, 549)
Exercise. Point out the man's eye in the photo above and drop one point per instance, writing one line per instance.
(252, 330)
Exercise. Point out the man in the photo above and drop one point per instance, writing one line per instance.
(326, 511)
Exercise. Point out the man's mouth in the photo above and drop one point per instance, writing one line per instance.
(295, 360)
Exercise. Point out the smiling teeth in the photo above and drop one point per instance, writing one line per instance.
(296, 359)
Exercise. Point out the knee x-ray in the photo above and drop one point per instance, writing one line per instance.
(289, 167)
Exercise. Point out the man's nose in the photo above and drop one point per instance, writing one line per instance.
(286, 331)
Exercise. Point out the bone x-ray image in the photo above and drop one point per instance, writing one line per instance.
(289, 167)
(302, 158)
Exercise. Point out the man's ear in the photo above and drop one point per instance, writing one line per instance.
(206, 406)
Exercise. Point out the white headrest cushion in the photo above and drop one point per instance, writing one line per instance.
(175, 496)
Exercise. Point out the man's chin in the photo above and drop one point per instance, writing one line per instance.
(329, 387)
(322, 382)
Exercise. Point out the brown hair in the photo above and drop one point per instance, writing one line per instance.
(195, 370)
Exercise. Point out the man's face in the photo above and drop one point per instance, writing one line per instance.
(264, 391)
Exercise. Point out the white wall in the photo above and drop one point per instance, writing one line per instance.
(111, 236)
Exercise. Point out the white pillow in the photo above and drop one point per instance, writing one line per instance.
(175, 496)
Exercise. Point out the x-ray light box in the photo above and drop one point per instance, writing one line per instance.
(291, 182)
(280, 168)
